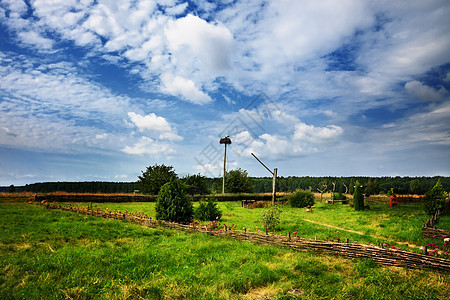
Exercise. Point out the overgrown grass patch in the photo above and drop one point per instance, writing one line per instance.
(54, 254)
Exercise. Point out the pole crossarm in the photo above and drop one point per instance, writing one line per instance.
(271, 172)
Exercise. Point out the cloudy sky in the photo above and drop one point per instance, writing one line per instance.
(99, 90)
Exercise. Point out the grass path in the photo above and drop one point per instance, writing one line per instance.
(362, 233)
(335, 227)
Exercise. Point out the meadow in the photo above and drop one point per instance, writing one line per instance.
(54, 254)
(397, 226)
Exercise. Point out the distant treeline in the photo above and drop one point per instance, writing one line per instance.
(374, 185)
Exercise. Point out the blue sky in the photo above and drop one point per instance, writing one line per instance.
(99, 90)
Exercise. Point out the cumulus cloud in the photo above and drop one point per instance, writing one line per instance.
(184, 88)
(146, 145)
(210, 44)
(299, 138)
(153, 124)
(419, 90)
(35, 39)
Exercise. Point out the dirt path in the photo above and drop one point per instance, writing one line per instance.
(335, 227)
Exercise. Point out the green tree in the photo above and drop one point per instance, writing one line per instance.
(207, 210)
(301, 198)
(172, 203)
(358, 197)
(154, 178)
(237, 181)
(11, 189)
(435, 198)
(373, 187)
(196, 184)
(414, 187)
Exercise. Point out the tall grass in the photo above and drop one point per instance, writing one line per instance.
(48, 254)
(394, 225)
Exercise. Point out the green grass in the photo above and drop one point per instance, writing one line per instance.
(51, 254)
(397, 226)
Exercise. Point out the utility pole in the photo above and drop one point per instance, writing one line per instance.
(226, 140)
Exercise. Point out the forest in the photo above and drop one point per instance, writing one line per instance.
(374, 185)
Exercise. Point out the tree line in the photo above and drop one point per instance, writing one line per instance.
(239, 181)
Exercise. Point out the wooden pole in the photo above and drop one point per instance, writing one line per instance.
(224, 169)
(274, 185)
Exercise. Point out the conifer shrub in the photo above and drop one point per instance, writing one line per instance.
(301, 198)
(173, 204)
(435, 199)
(358, 197)
(207, 210)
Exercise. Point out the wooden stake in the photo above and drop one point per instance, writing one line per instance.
(274, 185)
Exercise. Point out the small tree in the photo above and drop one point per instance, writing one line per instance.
(435, 198)
(207, 210)
(11, 189)
(358, 197)
(373, 187)
(301, 198)
(414, 186)
(196, 184)
(154, 178)
(270, 216)
(172, 203)
(237, 181)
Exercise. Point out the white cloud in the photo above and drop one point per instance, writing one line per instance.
(210, 44)
(153, 124)
(419, 90)
(35, 39)
(185, 88)
(149, 122)
(146, 145)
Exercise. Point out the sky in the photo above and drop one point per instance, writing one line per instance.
(100, 90)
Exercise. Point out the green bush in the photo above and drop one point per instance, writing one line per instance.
(301, 198)
(358, 197)
(207, 210)
(173, 204)
(339, 196)
(435, 198)
(270, 216)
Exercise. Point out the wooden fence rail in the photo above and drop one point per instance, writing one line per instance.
(384, 256)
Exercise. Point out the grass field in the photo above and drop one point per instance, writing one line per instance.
(47, 254)
(396, 226)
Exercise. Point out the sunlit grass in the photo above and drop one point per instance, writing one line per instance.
(51, 254)
(382, 224)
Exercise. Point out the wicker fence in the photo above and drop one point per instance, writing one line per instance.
(429, 228)
(384, 256)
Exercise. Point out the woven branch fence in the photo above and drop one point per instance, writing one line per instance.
(384, 256)
(429, 227)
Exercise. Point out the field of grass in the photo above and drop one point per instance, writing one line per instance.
(50, 254)
(396, 226)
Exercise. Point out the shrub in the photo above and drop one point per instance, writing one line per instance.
(207, 210)
(339, 196)
(172, 203)
(301, 198)
(358, 197)
(270, 216)
(435, 198)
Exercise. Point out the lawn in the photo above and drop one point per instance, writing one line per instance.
(51, 254)
(396, 226)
